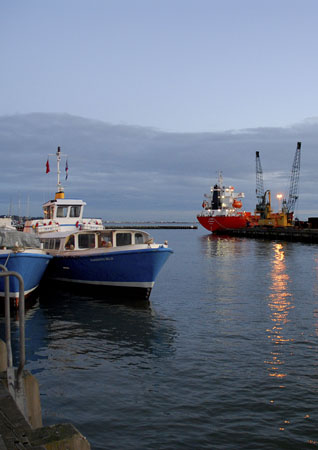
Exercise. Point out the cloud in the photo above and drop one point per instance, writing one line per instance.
(129, 172)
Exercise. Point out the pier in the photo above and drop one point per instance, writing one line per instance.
(284, 234)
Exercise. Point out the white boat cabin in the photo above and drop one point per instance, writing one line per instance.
(86, 240)
(62, 215)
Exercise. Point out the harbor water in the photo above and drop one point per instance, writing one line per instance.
(224, 356)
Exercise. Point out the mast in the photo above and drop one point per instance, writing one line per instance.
(60, 189)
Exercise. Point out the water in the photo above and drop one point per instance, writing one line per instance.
(225, 356)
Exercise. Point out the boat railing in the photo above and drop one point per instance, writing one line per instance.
(14, 377)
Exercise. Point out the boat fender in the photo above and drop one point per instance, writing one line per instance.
(77, 224)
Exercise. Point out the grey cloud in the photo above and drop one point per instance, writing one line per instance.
(127, 170)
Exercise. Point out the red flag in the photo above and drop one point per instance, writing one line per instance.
(47, 166)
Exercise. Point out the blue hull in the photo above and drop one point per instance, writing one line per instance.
(127, 269)
(30, 266)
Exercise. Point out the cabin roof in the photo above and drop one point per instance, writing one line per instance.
(64, 202)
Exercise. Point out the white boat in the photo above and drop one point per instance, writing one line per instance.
(86, 254)
(22, 253)
(6, 224)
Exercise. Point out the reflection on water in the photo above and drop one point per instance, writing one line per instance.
(279, 302)
(66, 325)
(225, 246)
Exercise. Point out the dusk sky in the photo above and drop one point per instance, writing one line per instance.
(201, 83)
(176, 65)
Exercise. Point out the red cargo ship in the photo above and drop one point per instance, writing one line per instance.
(222, 209)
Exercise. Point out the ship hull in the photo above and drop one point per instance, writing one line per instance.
(222, 223)
(30, 265)
(131, 271)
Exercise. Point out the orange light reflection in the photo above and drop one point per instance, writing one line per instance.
(280, 305)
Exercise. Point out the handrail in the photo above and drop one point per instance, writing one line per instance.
(6, 274)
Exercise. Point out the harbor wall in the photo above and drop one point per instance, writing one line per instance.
(21, 417)
(284, 233)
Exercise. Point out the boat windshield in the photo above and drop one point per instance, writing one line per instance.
(61, 211)
(75, 211)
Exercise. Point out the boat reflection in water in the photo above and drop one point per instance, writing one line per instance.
(64, 326)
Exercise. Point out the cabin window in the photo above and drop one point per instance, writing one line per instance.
(51, 244)
(47, 213)
(139, 238)
(75, 211)
(123, 239)
(62, 211)
(86, 240)
(70, 243)
(105, 240)
(57, 244)
(45, 244)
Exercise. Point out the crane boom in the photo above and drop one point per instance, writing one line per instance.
(294, 181)
(259, 180)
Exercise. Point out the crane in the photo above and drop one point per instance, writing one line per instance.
(263, 206)
(289, 204)
(285, 216)
(260, 195)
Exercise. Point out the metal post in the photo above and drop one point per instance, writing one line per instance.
(6, 274)
(7, 317)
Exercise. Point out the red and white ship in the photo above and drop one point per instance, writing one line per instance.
(222, 209)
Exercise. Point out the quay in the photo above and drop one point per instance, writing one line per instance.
(20, 407)
(284, 233)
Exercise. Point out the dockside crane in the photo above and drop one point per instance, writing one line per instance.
(259, 184)
(263, 206)
(289, 204)
(284, 217)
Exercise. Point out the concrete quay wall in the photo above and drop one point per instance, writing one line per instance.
(21, 417)
(284, 234)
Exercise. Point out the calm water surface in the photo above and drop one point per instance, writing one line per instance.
(225, 356)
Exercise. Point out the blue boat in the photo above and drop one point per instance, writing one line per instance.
(127, 260)
(85, 254)
(22, 253)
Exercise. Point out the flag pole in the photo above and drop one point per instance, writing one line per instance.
(60, 189)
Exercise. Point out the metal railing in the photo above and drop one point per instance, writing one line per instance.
(14, 382)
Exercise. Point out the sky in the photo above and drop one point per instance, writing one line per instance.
(175, 65)
(164, 94)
